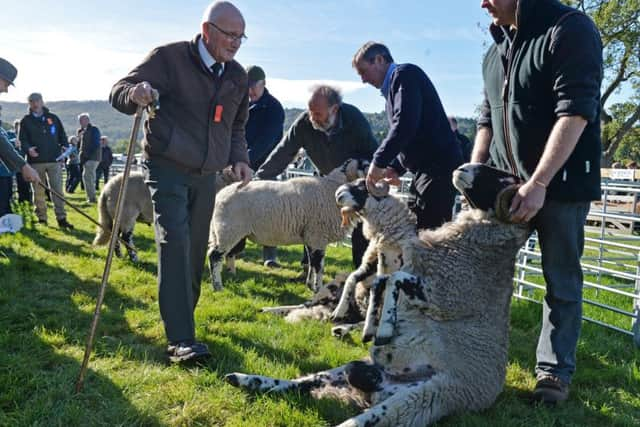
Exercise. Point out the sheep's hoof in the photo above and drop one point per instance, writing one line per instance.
(339, 331)
(217, 287)
(367, 337)
(134, 257)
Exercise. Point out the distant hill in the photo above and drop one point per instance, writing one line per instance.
(117, 126)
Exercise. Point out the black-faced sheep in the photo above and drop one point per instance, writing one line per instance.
(137, 207)
(441, 346)
(324, 301)
(384, 252)
(279, 213)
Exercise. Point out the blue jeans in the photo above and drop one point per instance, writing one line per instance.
(560, 227)
(182, 210)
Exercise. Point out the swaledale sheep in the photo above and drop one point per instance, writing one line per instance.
(137, 207)
(280, 213)
(324, 301)
(441, 346)
(384, 252)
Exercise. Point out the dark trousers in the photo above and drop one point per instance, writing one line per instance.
(6, 191)
(431, 199)
(358, 245)
(102, 171)
(560, 227)
(74, 177)
(24, 189)
(182, 208)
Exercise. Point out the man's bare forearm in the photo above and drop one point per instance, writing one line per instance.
(481, 144)
(561, 143)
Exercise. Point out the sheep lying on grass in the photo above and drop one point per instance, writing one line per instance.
(137, 206)
(279, 213)
(441, 346)
(323, 303)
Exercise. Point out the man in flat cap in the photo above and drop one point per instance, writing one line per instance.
(8, 155)
(264, 130)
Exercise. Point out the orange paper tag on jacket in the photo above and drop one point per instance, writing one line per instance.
(217, 116)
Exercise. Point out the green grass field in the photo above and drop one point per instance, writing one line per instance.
(49, 281)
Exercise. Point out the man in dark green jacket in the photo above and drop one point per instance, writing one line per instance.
(541, 120)
(331, 132)
(43, 138)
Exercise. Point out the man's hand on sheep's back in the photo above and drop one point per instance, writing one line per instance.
(243, 172)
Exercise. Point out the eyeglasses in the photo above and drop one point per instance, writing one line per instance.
(230, 37)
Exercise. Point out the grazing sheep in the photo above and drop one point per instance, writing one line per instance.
(137, 207)
(279, 213)
(441, 346)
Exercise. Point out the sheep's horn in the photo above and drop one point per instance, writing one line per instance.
(380, 189)
(503, 202)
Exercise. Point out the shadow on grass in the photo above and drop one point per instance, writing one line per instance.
(41, 326)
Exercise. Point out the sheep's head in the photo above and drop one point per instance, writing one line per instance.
(486, 188)
(354, 197)
(329, 293)
(354, 169)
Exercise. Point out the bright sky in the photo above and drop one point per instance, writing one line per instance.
(76, 50)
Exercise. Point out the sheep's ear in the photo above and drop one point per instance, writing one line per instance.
(503, 203)
(381, 189)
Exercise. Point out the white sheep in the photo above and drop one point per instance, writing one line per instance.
(137, 207)
(278, 213)
(441, 346)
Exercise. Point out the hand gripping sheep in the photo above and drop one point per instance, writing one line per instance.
(114, 236)
(440, 325)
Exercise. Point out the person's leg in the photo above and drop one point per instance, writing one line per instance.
(6, 185)
(201, 200)
(431, 199)
(24, 189)
(76, 178)
(54, 173)
(560, 227)
(358, 245)
(270, 256)
(89, 179)
(39, 197)
(98, 173)
(169, 194)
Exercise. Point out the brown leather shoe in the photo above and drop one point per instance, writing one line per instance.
(551, 390)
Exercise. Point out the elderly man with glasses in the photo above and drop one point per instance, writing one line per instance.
(199, 129)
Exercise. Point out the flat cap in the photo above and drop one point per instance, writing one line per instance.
(7, 71)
